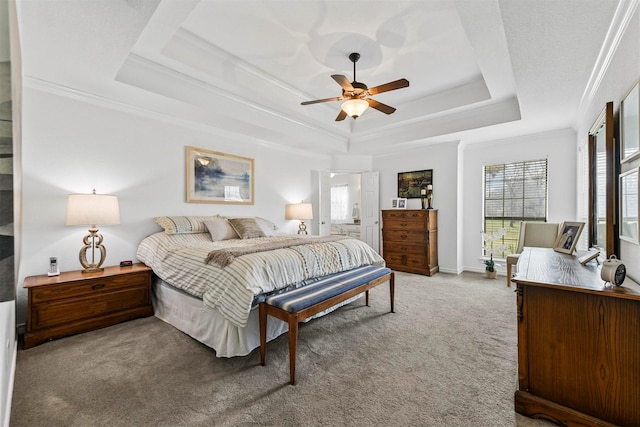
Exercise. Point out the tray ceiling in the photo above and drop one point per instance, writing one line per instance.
(478, 70)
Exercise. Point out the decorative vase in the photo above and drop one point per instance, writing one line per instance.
(490, 274)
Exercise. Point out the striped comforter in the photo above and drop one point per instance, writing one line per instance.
(179, 259)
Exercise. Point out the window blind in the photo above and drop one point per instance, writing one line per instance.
(514, 192)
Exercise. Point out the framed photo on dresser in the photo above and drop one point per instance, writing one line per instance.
(568, 237)
(399, 203)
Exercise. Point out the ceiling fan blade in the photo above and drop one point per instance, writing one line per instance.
(343, 81)
(398, 84)
(337, 98)
(380, 106)
(341, 116)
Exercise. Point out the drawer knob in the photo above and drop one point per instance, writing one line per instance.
(98, 286)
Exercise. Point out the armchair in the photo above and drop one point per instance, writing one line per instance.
(533, 234)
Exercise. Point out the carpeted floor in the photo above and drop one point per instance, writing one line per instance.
(447, 357)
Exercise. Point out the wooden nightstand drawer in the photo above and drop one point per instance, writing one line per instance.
(75, 302)
(87, 287)
(68, 311)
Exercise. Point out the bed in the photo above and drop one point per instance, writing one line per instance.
(210, 272)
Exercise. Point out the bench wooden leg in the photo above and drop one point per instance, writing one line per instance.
(392, 290)
(366, 298)
(293, 346)
(263, 332)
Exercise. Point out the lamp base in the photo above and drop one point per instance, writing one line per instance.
(92, 241)
(93, 269)
(302, 229)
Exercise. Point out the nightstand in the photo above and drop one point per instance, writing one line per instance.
(75, 302)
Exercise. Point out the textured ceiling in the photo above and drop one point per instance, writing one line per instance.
(478, 69)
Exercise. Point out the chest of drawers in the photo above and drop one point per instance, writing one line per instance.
(75, 302)
(410, 240)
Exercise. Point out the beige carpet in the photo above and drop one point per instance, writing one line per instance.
(447, 357)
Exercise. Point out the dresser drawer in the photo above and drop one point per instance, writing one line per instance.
(399, 259)
(404, 236)
(405, 224)
(87, 287)
(68, 311)
(420, 215)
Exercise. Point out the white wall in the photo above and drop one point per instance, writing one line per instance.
(71, 146)
(622, 73)
(558, 147)
(443, 159)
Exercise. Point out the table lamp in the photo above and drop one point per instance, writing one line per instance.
(92, 210)
(299, 211)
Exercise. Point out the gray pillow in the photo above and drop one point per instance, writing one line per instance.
(247, 228)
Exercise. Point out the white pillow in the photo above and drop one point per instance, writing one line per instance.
(183, 224)
(220, 229)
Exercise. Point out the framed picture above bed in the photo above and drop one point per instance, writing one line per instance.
(410, 183)
(214, 177)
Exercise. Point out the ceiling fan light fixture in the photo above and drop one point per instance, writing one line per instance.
(355, 107)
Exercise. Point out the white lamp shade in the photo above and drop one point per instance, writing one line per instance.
(299, 211)
(355, 107)
(92, 209)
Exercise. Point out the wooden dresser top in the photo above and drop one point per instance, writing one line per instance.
(548, 268)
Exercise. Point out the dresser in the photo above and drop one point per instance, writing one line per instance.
(410, 240)
(578, 346)
(75, 302)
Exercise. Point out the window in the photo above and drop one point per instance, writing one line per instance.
(514, 192)
(339, 203)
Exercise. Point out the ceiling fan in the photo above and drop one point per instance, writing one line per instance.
(357, 94)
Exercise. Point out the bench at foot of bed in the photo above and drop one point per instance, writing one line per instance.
(299, 304)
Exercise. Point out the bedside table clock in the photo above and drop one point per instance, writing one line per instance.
(613, 271)
(75, 302)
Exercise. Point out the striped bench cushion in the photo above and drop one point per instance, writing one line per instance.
(325, 288)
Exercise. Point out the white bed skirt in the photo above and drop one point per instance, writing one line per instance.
(189, 314)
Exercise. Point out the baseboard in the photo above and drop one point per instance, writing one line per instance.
(8, 356)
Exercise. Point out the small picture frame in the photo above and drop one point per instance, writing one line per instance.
(399, 203)
(568, 237)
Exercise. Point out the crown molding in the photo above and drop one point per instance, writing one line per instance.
(621, 19)
(123, 107)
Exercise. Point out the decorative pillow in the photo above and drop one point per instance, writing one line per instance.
(220, 229)
(268, 227)
(247, 228)
(183, 224)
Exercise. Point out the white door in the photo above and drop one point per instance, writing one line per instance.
(370, 210)
(324, 220)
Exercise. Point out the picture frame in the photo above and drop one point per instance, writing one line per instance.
(216, 177)
(568, 237)
(410, 183)
(399, 203)
(630, 125)
(629, 206)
